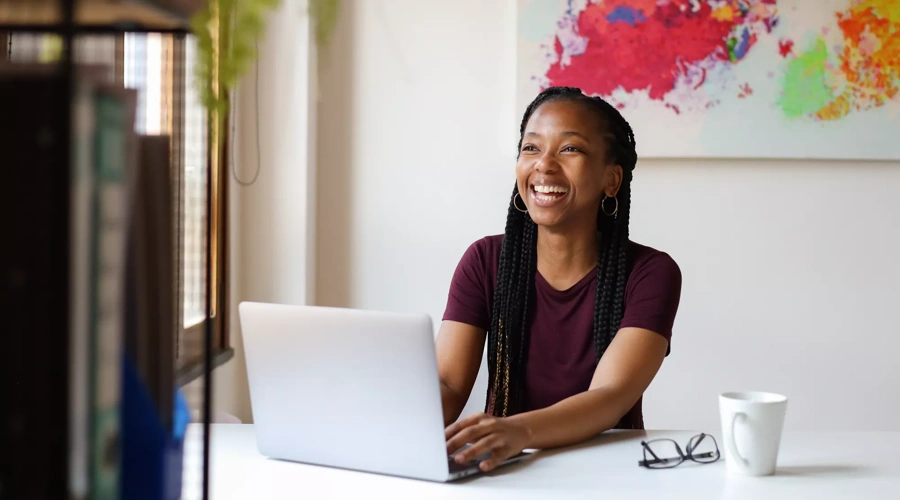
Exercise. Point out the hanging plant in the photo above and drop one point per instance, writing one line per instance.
(226, 33)
(324, 14)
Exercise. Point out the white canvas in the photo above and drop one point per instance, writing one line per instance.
(727, 78)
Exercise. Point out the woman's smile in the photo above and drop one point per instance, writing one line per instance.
(546, 195)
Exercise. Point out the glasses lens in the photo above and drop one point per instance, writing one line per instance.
(664, 454)
(702, 448)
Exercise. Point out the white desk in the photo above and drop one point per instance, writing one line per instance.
(812, 465)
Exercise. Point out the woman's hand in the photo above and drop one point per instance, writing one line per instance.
(501, 437)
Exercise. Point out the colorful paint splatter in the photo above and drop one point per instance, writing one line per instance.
(860, 74)
(655, 47)
(793, 61)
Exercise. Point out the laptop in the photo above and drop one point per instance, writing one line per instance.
(348, 388)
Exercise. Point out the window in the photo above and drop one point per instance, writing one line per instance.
(161, 68)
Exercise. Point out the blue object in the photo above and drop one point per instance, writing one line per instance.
(152, 458)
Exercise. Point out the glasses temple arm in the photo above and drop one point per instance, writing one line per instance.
(647, 448)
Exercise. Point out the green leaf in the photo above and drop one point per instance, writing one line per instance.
(241, 24)
(325, 16)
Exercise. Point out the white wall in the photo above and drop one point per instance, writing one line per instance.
(273, 220)
(415, 149)
(790, 268)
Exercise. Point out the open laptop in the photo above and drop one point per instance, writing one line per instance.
(348, 388)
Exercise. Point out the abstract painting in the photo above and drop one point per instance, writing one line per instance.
(727, 78)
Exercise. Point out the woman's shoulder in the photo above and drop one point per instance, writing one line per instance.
(487, 248)
(490, 241)
(483, 254)
(653, 292)
(647, 260)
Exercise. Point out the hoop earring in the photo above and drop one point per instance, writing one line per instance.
(603, 206)
(517, 206)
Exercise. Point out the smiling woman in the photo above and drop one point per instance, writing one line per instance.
(577, 318)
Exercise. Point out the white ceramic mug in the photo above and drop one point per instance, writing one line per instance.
(751, 431)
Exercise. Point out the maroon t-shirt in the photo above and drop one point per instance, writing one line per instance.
(561, 355)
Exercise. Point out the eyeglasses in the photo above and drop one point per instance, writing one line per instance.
(661, 453)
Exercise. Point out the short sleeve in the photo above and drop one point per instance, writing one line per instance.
(653, 294)
(468, 299)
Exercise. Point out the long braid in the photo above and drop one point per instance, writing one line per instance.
(622, 256)
(508, 335)
(526, 278)
(612, 272)
(605, 290)
(502, 322)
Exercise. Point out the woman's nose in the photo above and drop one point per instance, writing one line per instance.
(546, 164)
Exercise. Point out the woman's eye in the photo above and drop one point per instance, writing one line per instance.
(571, 149)
(528, 147)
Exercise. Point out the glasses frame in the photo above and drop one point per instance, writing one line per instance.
(657, 462)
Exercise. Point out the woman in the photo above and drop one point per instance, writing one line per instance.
(577, 318)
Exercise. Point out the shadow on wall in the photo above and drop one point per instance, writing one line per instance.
(335, 162)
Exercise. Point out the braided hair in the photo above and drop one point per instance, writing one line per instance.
(508, 334)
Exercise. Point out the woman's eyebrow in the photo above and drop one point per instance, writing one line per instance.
(567, 133)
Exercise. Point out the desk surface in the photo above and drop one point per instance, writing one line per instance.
(811, 465)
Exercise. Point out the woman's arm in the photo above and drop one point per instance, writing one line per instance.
(459, 350)
(623, 374)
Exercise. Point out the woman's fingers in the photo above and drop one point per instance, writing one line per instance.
(459, 425)
(470, 434)
(497, 457)
(489, 435)
(488, 443)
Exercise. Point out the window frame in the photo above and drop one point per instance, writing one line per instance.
(190, 340)
(190, 360)
(190, 355)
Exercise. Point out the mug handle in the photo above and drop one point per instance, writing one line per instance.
(732, 444)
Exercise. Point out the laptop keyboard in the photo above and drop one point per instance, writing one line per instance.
(459, 467)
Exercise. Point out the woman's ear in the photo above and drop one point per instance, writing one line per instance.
(612, 180)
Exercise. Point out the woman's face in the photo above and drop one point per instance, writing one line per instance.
(561, 172)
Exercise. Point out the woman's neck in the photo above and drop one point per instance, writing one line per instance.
(564, 257)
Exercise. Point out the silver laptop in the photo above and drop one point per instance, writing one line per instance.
(348, 388)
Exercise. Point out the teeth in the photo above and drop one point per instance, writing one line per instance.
(550, 189)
